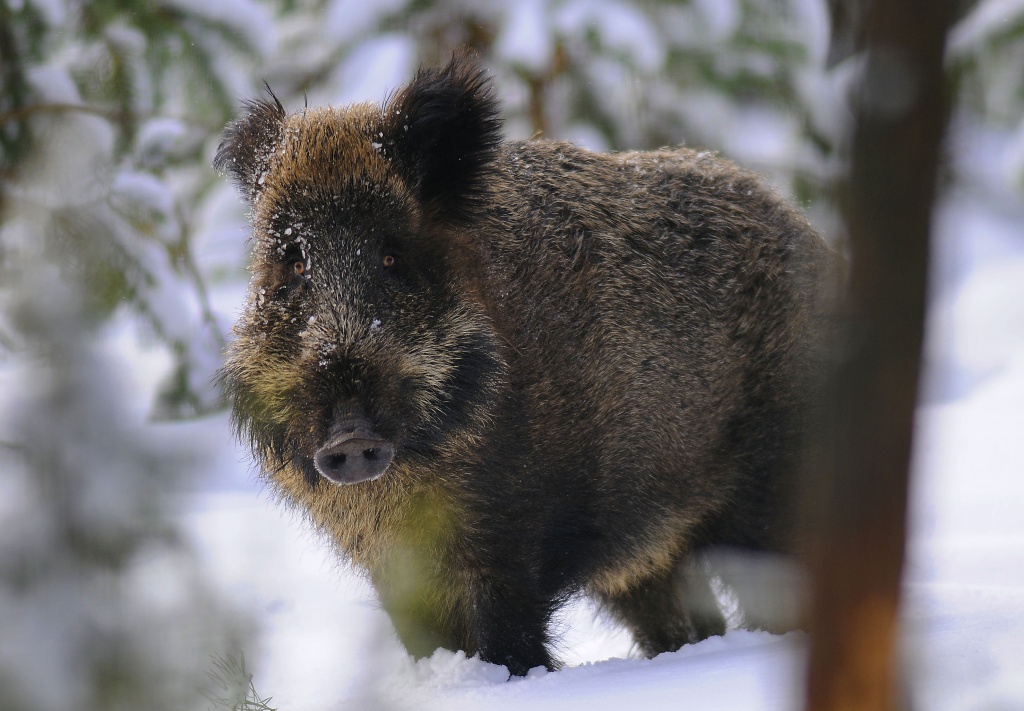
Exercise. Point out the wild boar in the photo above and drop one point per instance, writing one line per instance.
(499, 373)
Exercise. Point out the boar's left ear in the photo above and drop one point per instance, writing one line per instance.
(444, 130)
(249, 141)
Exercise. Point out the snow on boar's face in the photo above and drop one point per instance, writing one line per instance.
(359, 347)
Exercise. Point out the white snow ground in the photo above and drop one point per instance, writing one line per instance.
(326, 645)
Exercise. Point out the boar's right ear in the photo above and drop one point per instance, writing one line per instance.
(443, 130)
(248, 143)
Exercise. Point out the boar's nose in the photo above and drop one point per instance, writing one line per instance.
(354, 452)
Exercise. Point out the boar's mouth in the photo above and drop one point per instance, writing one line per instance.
(354, 452)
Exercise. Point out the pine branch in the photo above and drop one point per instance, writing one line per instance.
(235, 683)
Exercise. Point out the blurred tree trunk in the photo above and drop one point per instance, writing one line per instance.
(860, 499)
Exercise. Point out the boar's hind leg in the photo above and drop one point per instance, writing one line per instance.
(666, 611)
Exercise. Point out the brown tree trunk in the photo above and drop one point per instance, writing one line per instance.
(860, 498)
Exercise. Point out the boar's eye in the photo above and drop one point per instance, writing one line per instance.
(391, 267)
(293, 272)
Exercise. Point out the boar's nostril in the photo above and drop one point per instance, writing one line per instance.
(356, 454)
(335, 461)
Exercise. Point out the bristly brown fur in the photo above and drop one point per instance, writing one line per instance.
(590, 368)
(244, 151)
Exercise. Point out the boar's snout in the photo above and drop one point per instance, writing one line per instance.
(354, 452)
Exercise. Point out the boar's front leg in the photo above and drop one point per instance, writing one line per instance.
(421, 614)
(509, 623)
(488, 609)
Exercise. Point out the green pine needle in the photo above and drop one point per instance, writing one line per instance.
(234, 689)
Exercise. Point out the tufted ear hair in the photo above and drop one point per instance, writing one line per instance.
(248, 143)
(443, 131)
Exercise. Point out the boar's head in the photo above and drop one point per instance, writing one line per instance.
(360, 346)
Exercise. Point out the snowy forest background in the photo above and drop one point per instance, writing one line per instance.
(134, 547)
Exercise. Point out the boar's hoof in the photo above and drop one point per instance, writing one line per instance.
(354, 453)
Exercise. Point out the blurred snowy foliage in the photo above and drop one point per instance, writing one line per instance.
(110, 111)
(107, 110)
(986, 58)
(102, 604)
